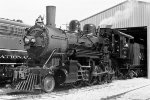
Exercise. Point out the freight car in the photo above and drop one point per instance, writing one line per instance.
(12, 52)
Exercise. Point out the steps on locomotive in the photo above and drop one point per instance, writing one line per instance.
(81, 72)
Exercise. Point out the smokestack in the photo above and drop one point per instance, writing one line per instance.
(50, 15)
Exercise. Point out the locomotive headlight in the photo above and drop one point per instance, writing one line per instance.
(26, 40)
(33, 40)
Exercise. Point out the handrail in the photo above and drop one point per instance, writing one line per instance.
(44, 66)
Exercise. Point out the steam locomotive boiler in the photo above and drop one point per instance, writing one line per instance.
(72, 57)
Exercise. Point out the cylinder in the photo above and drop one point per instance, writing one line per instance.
(50, 15)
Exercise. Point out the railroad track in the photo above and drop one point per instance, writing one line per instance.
(64, 92)
(114, 97)
(58, 92)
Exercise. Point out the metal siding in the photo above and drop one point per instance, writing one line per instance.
(140, 17)
(148, 51)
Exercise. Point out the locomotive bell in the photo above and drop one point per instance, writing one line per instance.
(89, 29)
(74, 26)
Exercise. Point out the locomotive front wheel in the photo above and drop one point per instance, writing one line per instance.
(48, 84)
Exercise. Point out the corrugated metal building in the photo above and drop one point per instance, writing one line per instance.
(131, 16)
(126, 14)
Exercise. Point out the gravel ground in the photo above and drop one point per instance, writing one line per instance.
(131, 89)
(139, 94)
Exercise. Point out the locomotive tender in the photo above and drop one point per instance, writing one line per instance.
(71, 57)
(12, 52)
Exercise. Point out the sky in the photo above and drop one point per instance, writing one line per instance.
(66, 10)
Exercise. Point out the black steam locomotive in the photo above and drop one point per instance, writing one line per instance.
(58, 57)
(12, 52)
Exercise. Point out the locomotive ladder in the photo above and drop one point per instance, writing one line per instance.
(28, 84)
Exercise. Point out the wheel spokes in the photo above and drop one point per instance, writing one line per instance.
(48, 84)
